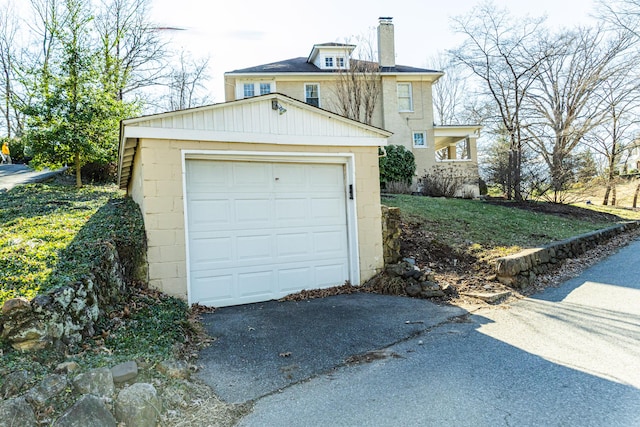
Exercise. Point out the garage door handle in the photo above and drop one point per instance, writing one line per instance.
(350, 191)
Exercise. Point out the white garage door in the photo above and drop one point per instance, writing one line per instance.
(258, 231)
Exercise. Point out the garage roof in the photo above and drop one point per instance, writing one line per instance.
(267, 119)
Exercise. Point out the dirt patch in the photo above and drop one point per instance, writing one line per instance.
(470, 279)
(558, 209)
(452, 266)
(371, 356)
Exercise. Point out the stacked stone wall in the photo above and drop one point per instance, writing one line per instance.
(65, 314)
(521, 269)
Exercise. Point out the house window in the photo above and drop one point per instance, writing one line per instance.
(328, 62)
(265, 88)
(419, 140)
(248, 90)
(340, 61)
(405, 102)
(312, 94)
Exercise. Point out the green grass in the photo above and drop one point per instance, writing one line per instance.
(494, 230)
(39, 222)
(50, 235)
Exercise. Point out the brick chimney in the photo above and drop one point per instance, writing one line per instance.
(386, 43)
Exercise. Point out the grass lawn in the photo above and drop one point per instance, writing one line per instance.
(486, 228)
(38, 223)
(48, 239)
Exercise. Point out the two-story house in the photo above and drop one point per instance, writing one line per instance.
(402, 97)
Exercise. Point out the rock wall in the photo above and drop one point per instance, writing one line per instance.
(391, 231)
(100, 396)
(65, 314)
(521, 269)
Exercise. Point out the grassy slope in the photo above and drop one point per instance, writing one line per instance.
(38, 224)
(492, 229)
(594, 192)
(48, 238)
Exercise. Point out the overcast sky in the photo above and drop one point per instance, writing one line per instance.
(242, 33)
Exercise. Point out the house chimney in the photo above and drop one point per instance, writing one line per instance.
(386, 43)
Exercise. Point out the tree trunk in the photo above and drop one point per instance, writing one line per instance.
(510, 176)
(517, 175)
(635, 196)
(605, 201)
(78, 171)
(613, 193)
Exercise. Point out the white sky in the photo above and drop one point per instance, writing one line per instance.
(237, 34)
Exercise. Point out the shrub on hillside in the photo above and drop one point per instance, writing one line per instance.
(399, 165)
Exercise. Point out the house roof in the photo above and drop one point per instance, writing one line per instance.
(301, 65)
(268, 119)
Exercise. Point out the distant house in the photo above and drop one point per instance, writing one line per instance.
(630, 159)
(404, 105)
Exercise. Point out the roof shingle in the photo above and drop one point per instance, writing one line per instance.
(300, 65)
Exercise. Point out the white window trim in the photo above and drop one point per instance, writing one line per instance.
(333, 62)
(410, 110)
(259, 87)
(424, 138)
(244, 87)
(305, 92)
(256, 87)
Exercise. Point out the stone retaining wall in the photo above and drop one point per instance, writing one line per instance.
(391, 231)
(68, 313)
(521, 269)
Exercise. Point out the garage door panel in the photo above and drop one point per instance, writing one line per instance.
(275, 229)
(211, 213)
(293, 245)
(330, 275)
(252, 177)
(324, 178)
(330, 208)
(292, 209)
(329, 242)
(256, 283)
(253, 212)
(254, 248)
(289, 177)
(212, 289)
(211, 250)
(203, 175)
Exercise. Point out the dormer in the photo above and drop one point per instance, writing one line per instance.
(331, 56)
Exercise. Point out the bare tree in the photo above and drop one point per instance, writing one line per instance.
(358, 84)
(616, 134)
(8, 76)
(132, 53)
(622, 14)
(46, 25)
(504, 54)
(187, 83)
(449, 91)
(563, 100)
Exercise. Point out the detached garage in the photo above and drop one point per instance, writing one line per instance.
(252, 200)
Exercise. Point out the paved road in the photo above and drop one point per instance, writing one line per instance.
(16, 174)
(567, 357)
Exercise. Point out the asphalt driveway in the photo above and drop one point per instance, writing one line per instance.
(262, 348)
(16, 174)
